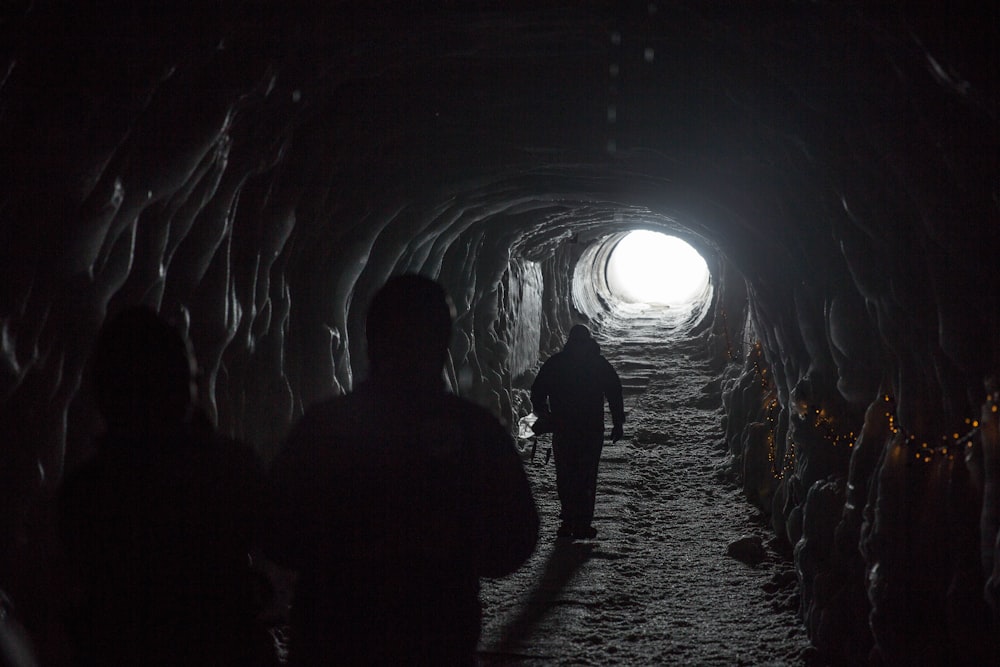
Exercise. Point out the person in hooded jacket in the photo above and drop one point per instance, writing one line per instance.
(568, 395)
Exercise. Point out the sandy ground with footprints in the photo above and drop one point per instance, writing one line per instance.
(656, 586)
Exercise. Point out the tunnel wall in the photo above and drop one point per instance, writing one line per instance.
(870, 510)
(589, 287)
(504, 343)
(255, 172)
(524, 316)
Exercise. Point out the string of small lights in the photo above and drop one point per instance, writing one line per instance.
(948, 444)
(823, 423)
(789, 461)
(729, 342)
(760, 371)
(771, 407)
(771, 453)
(944, 446)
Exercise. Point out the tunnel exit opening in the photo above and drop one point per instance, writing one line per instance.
(643, 273)
(647, 267)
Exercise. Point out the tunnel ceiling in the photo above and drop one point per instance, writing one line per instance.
(778, 113)
(225, 161)
(255, 170)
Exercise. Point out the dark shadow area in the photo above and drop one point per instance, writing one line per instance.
(566, 558)
(157, 525)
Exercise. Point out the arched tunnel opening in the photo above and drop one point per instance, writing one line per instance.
(641, 271)
(650, 268)
(254, 173)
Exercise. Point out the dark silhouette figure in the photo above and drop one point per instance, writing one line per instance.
(568, 394)
(391, 502)
(157, 526)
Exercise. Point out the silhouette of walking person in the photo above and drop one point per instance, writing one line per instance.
(569, 393)
(392, 501)
(157, 526)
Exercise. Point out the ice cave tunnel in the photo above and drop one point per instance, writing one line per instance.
(256, 170)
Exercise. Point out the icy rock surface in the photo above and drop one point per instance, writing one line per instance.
(256, 174)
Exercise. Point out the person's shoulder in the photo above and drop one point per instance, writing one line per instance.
(456, 405)
(604, 361)
(237, 454)
(329, 428)
(560, 355)
(607, 368)
(334, 404)
(335, 413)
(478, 417)
(202, 433)
(556, 361)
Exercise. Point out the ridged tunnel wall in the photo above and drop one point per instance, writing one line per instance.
(256, 170)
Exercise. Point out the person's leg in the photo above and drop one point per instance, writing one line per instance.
(573, 466)
(577, 454)
(591, 448)
(562, 451)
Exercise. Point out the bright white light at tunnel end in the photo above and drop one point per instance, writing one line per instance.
(648, 267)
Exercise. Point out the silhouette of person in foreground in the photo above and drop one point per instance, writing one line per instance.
(568, 396)
(392, 501)
(157, 526)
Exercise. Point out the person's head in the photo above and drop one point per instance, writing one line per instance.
(143, 372)
(578, 334)
(408, 329)
(579, 341)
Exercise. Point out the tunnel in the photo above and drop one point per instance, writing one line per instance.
(256, 170)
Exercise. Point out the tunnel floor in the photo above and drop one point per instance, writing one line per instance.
(656, 585)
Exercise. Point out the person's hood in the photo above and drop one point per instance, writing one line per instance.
(585, 346)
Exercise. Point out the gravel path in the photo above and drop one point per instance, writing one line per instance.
(656, 586)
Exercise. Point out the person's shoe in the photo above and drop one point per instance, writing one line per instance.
(565, 530)
(585, 533)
